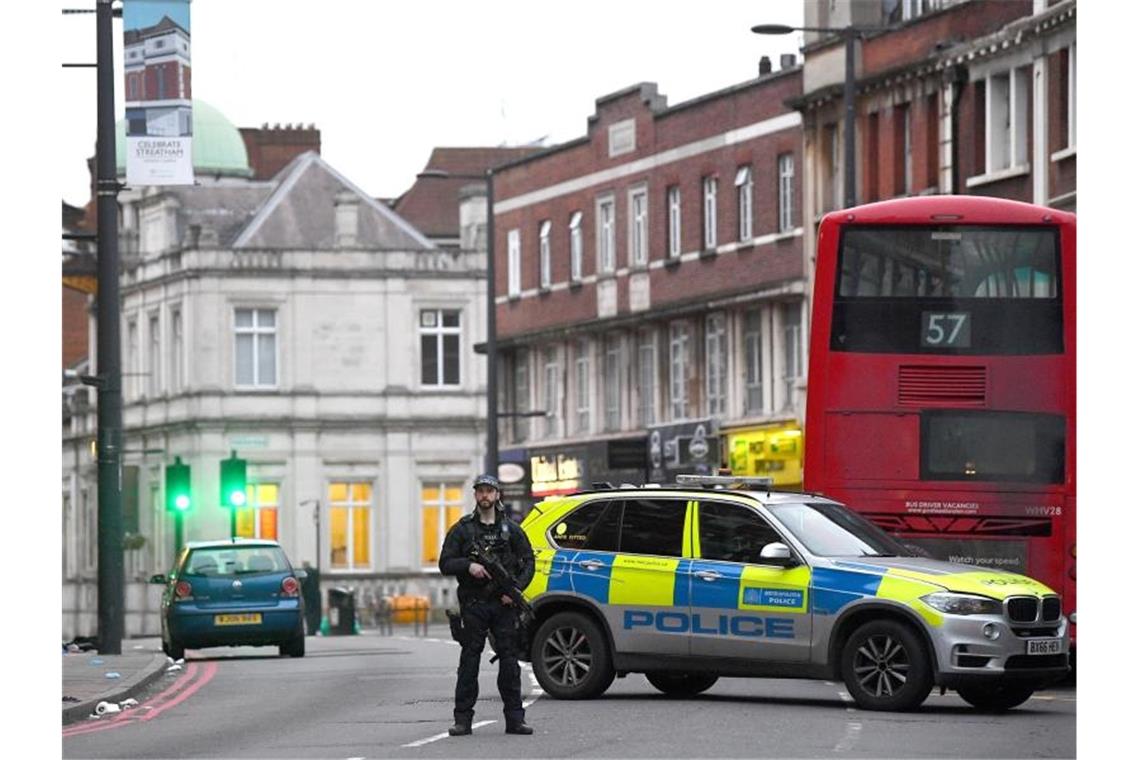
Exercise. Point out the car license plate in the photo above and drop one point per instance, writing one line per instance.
(247, 618)
(1043, 646)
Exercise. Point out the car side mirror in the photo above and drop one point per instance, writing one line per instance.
(301, 574)
(159, 579)
(777, 553)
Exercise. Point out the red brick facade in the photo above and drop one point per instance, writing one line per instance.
(659, 131)
(270, 148)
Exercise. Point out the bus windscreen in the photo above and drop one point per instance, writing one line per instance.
(948, 289)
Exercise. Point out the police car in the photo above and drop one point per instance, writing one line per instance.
(719, 576)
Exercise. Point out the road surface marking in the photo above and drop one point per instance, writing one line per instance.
(849, 738)
(444, 735)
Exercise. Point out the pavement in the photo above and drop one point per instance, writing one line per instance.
(90, 678)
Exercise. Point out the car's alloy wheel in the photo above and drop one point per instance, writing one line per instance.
(997, 697)
(885, 667)
(681, 684)
(571, 657)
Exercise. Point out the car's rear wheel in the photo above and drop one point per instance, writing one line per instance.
(571, 657)
(997, 697)
(681, 684)
(173, 650)
(294, 647)
(885, 666)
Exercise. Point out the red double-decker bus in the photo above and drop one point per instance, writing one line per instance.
(942, 380)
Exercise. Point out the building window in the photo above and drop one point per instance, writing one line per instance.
(258, 519)
(132, 362)
(932, 140)
(646, 378)
(638, 227)
(1007, 118)
(716, 364)
(904, 184)
(1069, 92)
(709, 219)
(177, 381)
(522, 395)
(611, 377)
(606, 255)
(439, 346)
(154, 357)
(753, 364)
(678, 370)
(133, 81)
(350, 519)
(871, 156)
(744, 201)
(787, 173)
(544, 254)
(514, 265)
(832, 184)
(255, 348)
(793, 350)
(442, 505)
(673, 196)
(551, 389)
(582, 385)
(576, 246)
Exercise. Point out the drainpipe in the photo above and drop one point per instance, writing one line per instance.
(961, 78)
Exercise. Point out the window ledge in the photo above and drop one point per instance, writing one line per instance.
(984, 179)
(708, 253)
(638, 268)
(543, 290)
(1064, 153)
(575, 284)
(786, 235)
(672, 262)
(514, 296)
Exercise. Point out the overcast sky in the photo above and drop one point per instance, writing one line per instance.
(387, 82)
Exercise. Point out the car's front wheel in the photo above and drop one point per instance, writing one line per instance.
(571, 657)
(997, 697)
(681, 684)
(886, 667)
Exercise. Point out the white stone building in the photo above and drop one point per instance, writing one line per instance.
(309, 328)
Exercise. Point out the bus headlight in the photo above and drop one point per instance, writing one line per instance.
(962, 604)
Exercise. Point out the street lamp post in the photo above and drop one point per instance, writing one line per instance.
(849, 35)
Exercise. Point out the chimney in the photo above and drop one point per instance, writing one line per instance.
(787, 60)
(765, 65)
(347, 207)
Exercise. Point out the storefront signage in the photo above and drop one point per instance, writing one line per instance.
(555, 474)
(684, 448)
(774, 451)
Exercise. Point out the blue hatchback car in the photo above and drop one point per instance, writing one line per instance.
(240, 592)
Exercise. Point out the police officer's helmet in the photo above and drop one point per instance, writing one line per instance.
(487, 480)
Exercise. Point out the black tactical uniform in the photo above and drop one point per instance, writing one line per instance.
(483, 610)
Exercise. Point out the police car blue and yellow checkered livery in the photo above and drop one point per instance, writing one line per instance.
(691, 583)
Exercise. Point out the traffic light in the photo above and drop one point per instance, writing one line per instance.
(233, 482)
(177, 486)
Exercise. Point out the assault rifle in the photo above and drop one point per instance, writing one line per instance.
(505, 583)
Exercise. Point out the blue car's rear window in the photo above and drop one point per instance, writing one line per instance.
(236, 560)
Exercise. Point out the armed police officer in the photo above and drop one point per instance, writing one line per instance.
(483, 605)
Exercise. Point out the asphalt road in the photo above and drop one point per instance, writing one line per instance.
(370, 696)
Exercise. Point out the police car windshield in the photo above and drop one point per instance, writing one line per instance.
(829, 530)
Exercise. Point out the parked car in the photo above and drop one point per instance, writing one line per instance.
(239, 592)
(691, 582)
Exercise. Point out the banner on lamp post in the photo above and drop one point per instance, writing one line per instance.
(156, 89)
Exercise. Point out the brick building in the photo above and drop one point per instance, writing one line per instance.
(649, 290)
(959, 96)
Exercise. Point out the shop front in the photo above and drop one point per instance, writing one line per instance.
(565, 469)
(685, 448)
(774, 450)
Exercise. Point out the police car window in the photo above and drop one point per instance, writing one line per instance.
(733, 533)
(592, 526)
(829, 530)
(653, 526)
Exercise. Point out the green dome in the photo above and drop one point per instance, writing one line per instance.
(217, 146)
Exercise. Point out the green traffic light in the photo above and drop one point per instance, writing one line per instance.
(232, 476)
(237, 499)
(177, 486)
(182, 501)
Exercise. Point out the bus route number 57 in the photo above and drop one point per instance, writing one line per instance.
(942, 329)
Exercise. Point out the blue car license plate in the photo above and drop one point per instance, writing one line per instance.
(245, 618)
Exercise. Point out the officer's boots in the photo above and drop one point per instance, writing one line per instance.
(519, 728)
(461, 728)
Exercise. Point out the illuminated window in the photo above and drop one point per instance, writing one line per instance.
(442, 507)
(259, 518)
(350, 518)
